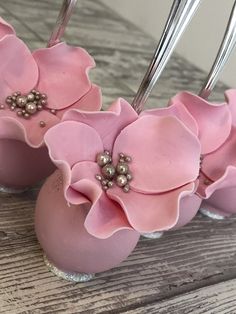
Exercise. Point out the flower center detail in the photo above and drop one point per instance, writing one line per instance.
(27, 105)
(110, 174)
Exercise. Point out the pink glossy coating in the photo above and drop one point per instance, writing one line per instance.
(23, 165)
(165, 165)
(60, 72)
(63, 237)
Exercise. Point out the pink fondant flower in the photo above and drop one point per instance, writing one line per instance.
(215, 125)
(60, 72)
(219, 168)
(165, 163)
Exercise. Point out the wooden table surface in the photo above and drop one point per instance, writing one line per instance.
(192, 270)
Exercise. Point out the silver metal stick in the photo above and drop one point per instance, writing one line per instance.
(62, 21)
(226, 48)
(180, 15)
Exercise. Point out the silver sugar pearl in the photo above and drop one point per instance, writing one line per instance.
(43, 96)
(129, 176)
(126, 188)
(128, 159)
(13, 108)
(21, 101)
(9, 100)
(19, 113)
(44, 102)
(31, 108)
(53, 111)
(110, 184)
(39, 107)
(122, 168)
(30, 97)
(108, 171)
(121, 180)
(2, 107)
(107, 152)
(98, 177)
(121, 155)
(207, 182)
(105, 187)
(42, 124)
(103, 159)
(104, 182)
(26, 116)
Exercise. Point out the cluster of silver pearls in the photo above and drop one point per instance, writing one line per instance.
(27, 105)
(110, 174)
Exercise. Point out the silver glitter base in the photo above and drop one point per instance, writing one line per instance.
(8, 190)
(210, 214)
(74, 277)
(152, 235)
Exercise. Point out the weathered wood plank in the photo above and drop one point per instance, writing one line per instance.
(219, 298)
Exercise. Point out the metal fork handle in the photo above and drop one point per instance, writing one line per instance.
(180, 15)
(226, 48)
(65, 13)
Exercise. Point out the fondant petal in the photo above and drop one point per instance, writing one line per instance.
(150, 213)
(63, 74)
(189, 206)
(177, 110)
(18, 70)
(211, 118)
(5, 28)
(165, 154)
(107, 123)
(221, 195)
(215, 164)
(204, 182)
(226, 181)
(71, 142)
(105, 217)
(230, 96)
(92, 101)
(83, 183)
(26, 130)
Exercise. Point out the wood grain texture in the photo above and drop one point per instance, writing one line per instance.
(191, 270)
(219, 298)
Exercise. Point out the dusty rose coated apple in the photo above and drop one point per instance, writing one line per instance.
(35, 91)
(216, 129)
(122, 174)
(63, 237)
(159, 158)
